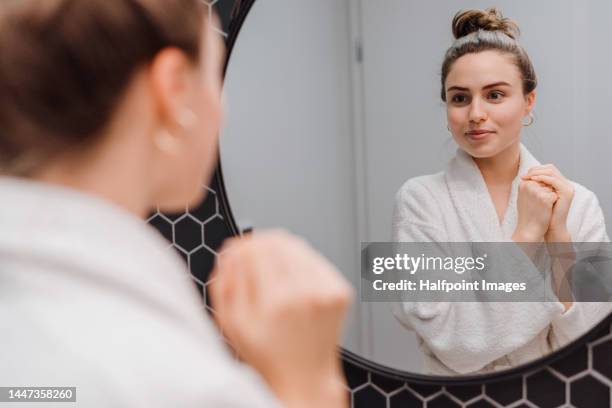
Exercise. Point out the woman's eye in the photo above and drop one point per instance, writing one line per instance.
(495, 95)
(459, 99)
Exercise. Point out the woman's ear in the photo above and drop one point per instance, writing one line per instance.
(531, 99)
(170, 76)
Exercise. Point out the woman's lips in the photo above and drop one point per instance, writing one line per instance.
(478, 134)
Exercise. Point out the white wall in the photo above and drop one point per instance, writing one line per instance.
(286, 150)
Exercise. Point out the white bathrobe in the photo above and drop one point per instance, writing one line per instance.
(472, 337)
(92, 297)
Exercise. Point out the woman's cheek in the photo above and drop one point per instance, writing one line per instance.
(456, 119)
(509, 116)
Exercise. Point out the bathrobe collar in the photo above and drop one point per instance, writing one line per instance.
(473, 203)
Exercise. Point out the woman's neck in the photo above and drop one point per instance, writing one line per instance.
(501, 168)
(498, 173)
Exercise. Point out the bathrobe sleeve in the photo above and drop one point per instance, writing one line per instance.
(589, 227)
(591, 222)
(464, 336)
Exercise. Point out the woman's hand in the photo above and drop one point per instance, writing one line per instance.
(558, 233)
(534, 205)
(281, 305)
(548, 174)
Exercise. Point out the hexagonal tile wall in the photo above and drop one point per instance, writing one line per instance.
(581, 378)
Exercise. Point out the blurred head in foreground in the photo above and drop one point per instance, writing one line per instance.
(121, 98)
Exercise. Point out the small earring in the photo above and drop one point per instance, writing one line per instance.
(186, 118)
(531, 119)
(165, 142)
(448, 127)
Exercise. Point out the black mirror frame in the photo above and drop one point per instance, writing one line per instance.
(352, 361)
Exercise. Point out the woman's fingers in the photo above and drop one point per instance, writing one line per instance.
(538, 172)
(545, 168)
(561, 186)
(550, 175)
(546, 186)
(228, 292)
(554, 182)
(545, 178)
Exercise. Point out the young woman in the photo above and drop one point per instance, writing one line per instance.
(108, 110)
(493, 190)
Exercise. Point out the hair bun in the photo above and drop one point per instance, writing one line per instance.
(469, 21)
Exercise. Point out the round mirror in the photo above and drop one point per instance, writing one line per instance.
(337, 131)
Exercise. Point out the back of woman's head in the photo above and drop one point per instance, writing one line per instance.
(64, 65)
(485, 30)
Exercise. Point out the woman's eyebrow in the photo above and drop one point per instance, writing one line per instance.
(496, 84)
(456, 88)
(459, 88)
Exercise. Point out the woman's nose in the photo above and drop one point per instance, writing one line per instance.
(477, 111)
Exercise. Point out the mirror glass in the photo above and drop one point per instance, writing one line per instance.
(334, 105)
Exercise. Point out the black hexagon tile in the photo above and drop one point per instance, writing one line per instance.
(464, 392)
(355, 376)
(404, 399)
(602, 358)
(574, 363)
(201, 263)
(588, 392)
(505, 392)
(188, 233)
(216, 231)
(368, 396)
(545, 389)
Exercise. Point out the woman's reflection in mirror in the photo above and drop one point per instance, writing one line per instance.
(494, 190)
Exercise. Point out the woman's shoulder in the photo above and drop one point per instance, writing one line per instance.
(426, 185)
(419, 208)
(583, 196)
(586, 220)
(422, 198)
